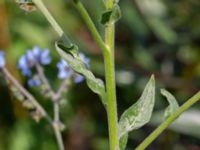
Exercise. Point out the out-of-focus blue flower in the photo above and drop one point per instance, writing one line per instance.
(30, 59)
(78, 78)
(2, 59)
(84, 59)
(64, 70)
(24, 66)
(34, 82)
(33, 57)
(41, 56)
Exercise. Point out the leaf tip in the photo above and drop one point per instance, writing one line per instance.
(152, 79)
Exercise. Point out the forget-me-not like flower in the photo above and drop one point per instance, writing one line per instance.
(78, 78)
(41, 56)
(85, 60)
(33, 57)
(34, 82)
(2, 59)
(23, 65)
(64, 70)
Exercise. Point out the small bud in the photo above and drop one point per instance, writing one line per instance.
(36, 115)
(59, 125)
(26, 5)
(27, 104)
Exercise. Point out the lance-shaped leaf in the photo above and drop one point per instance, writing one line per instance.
(139, 113)
(70, 54)
(173, 105)
(123, 141)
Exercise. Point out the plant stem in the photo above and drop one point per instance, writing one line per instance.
(83, 12)
(111, 87)
(52, 21)
(109, 4)
(108, 51)
(167, 122)
(27, 94)
(55, 97)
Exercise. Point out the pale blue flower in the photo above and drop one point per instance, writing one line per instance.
(23, 65)
(84, 59)
(34, 82)
(2, 59)
(64, 70)
(78, 78)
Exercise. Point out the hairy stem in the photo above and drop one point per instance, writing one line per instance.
(40, 5)
(111, 87)
(90, 24)
(167, 122)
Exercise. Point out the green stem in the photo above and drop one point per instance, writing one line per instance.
(109, 4)
(40, 5)
(110, 82)
(167, 122)
(110, 87)
(108, 50)
(90, 25)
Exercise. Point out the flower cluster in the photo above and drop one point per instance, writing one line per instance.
(37, 56)
(2, 59)
(64, 70)
(32, 58)
(29, 60)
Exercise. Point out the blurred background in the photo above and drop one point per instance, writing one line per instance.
(160, 37)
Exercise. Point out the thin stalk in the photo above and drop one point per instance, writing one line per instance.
(58, 137)
(83, 12)
(108, 51)
(55, 100)
(167, 122)
(40, 5)
(111, 87)
(27, 94)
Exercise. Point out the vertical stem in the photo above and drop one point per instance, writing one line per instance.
(55, 99)
(110, 87)
(59, 138)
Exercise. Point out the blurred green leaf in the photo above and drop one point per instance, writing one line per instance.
(188, 123)
(173, 105)
(139, 113)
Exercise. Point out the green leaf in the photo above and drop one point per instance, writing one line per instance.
(111, 16)
(70, 54)
(123, 141)
(139, 113)
(173, 105)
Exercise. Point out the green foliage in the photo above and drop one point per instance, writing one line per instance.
(111, 15)
(72, 57)
(139, 113)
(123, 141)
(173, 105)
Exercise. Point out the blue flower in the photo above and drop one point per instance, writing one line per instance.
(41, 56)
(64, 70)
(78, 78)
(2, 59)
(33, 57)
(34, 82)
(23, 65)
(84, 59)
